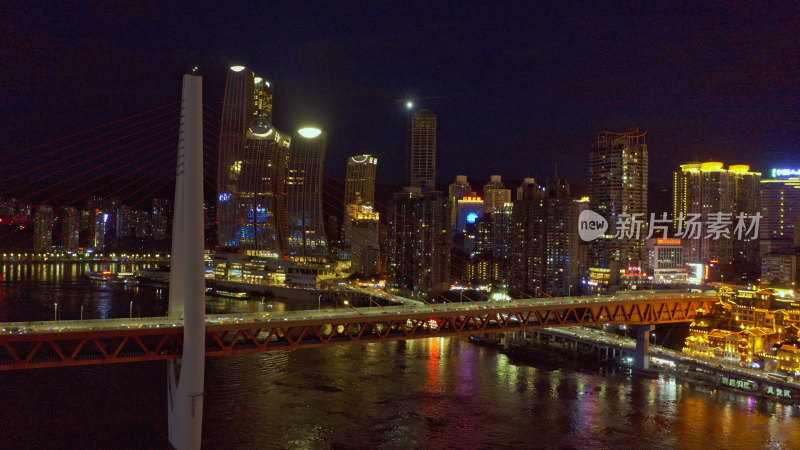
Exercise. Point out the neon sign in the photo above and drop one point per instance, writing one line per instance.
(778, 173)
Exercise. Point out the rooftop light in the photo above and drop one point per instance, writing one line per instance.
(309, 132)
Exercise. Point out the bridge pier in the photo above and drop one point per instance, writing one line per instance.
(641, 360)
(187, 298)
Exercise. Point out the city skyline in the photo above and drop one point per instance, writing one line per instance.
(697, 89)
(753, 332)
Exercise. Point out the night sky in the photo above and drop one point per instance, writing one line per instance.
(524, 88)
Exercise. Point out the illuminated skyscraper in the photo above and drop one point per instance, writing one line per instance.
(70, 228)
(360, 180)
(529, 245)
(99, 231)
(495, 194)
(458, 190)
(253, 159)
(359, 192)
(422, 159)
(468, 211)
(419, 244)
(306, 231)
(364, 240)
(708, 188)
(43, 229)
(126, 221)
(161, 215)
(780, 208)
(618, 165)
(562, 273)
(419, 233)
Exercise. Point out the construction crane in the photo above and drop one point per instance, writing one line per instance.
(410, 101)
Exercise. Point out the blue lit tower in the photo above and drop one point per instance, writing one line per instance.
(253, 160)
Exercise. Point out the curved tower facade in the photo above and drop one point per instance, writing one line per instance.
(360, 180)
(306, 230)
(253, 160)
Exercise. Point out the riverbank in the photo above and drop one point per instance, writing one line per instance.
(600, 349)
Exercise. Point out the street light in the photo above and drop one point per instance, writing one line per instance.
(55, 312)
(347, 303)
(319, 302)
(131, 310)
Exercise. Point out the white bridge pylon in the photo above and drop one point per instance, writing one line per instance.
(187, 284)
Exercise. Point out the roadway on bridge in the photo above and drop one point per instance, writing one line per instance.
(292, 318)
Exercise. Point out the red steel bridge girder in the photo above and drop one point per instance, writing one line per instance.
(60, 349)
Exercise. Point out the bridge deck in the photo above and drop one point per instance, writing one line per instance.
(25, 345)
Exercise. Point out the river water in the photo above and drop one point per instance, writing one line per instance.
(432, 393)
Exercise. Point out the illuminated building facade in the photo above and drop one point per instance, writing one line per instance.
(502, 232)
(364, 239)
(360, 180)
(422, 158)
(458, 190)
(745, 326)
(419, 234)
(618, 165)
(162, 218)
(70, 228)
(708, 188)
(495, 194)
(419, 243)
(142, 229)
(98, 242)
(359, 195)
(43, 229)
(666, 260)
(251, 207)
(529, 246)
(469, 210)
(562, 243)
(781, 266)
(125, 218)
(780, 208)
(306, 231)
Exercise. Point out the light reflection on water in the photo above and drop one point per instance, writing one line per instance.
(432, 393)
(29, 292)
(448, 393)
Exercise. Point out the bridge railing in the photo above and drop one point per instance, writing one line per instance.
(308, 314)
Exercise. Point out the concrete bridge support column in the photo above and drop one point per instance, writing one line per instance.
(187, 298)
(641, 359)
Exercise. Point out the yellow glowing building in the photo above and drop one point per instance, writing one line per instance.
(708, 188)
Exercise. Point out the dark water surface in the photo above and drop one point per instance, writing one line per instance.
(433, 393)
